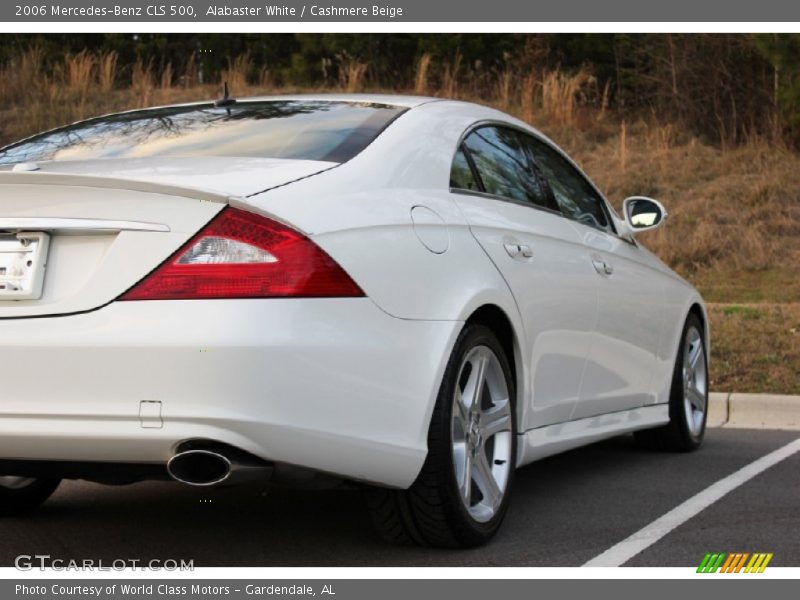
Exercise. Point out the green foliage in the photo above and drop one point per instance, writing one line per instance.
(746, 312)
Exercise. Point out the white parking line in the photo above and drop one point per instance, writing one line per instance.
(628, 548)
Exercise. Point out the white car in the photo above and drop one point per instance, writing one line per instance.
(415, 294)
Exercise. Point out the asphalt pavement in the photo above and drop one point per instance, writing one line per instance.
(565, 510)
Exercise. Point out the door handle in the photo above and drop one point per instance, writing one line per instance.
(518, 251)
(602, 266)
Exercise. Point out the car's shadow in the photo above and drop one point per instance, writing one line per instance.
(565, 508)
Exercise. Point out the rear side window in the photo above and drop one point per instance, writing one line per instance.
(292, 129)
(575, 196)
(461, 175)
(503, 166)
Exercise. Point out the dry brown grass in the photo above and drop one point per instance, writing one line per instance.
(421, 75)
(527, 98)
(143, 82)
(505, 89)
(79, 71)
(560, 96)
(237, 73)
(450, 77)
(23, 73)
(34, 97)
(351, 73)
(106, 70)
(734, 211)
(755, 348)
(734, 225)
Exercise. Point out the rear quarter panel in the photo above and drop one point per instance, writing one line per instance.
(360, 212)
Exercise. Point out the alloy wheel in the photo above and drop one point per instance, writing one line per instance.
(695, 381)
(481, 433)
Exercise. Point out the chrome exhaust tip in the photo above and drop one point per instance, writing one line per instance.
(199, 467)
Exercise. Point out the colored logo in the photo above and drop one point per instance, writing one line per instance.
(736, 562)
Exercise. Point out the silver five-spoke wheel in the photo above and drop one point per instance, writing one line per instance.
(481, 433)
(695, 381)
(463, 490)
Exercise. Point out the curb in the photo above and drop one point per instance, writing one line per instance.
(753, 411)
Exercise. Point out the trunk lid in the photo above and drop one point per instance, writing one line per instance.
(108, 225)
(230, 176)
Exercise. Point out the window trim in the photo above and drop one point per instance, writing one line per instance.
(489, 196)
(610, 213)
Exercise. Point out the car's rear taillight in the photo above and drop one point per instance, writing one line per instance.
(243, 255)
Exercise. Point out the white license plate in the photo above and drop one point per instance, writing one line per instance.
(23, 257)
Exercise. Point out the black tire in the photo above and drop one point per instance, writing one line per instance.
(431, 512)
(676, 436)
(26, 497)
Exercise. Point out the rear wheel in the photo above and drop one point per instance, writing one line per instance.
(20, 494)
(461, 495)
(688, 402)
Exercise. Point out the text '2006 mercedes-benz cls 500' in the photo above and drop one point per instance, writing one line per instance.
(410, 294)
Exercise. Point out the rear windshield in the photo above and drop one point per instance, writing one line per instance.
(297, 129)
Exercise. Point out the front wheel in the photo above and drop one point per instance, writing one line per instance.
(688, 401)
(20, 494)
(461, 495)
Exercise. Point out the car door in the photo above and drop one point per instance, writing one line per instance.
(622, 360)
(542, 258)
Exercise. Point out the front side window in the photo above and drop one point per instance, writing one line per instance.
(291, 129)
(576, 198)
(503, 166)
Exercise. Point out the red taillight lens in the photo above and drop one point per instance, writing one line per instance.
(242, 255)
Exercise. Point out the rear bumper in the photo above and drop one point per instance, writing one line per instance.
(334, 385)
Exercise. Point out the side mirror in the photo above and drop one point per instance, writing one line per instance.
(643, 214)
